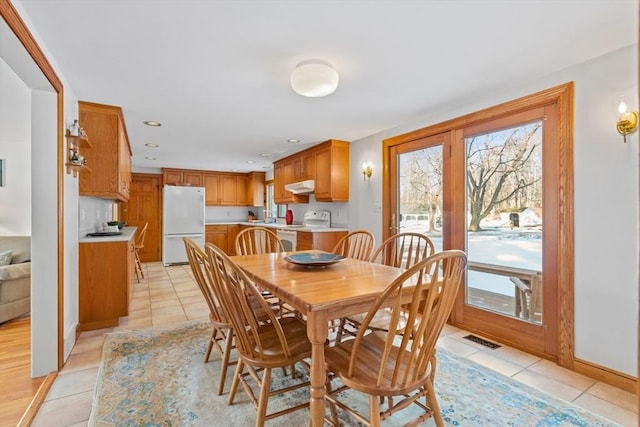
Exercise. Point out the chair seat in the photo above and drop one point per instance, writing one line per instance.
(369, 354)
(295, 331)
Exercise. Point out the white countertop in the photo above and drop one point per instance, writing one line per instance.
(277, 226)
(127, 234)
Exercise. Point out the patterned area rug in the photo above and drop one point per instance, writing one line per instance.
(157, 377)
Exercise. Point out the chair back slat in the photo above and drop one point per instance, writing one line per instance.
(358, 244)
(257, 240)
(243, 304)
(403, 250)
(431, 286)
(200, 268)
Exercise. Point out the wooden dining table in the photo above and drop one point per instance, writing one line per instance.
(322, 294)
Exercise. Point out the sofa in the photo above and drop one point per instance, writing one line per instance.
(15, 277)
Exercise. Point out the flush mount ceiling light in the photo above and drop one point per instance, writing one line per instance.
(314, 79)
(152, 123)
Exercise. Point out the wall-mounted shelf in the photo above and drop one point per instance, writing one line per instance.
(75, 161)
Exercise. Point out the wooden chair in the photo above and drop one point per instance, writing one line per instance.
(257, 240)
(402, 250)
(357, 244)
(401, 362)
(222, 330)
(138, 246)
(261, 345)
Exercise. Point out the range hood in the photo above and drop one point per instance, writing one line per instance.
(302, 187)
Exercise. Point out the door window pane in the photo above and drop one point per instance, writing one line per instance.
(504, 221)
(420, 186)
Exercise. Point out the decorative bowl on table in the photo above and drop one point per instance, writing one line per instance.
(312, 259)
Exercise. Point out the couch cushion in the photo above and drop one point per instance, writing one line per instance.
(20, 246)
(5, 258)
(15, 271)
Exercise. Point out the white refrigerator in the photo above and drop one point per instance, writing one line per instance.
(182, 216)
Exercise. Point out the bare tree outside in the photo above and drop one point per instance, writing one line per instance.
(421, 185)
(503, 171)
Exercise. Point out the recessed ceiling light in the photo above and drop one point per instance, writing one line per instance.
(152, 123)
(150, 158)
(293, 141)
(234, 170)
(151, 145)
(250, 162)
(265, 154)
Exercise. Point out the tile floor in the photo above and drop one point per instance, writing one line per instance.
(169, 295)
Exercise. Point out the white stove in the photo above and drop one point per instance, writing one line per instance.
(317, 219)
(311, 219)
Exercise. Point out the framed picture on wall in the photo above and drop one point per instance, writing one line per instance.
(2, 164)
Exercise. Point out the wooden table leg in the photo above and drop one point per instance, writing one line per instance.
(317, 331)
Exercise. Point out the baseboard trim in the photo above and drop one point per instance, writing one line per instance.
(36, 402)
(606, 375)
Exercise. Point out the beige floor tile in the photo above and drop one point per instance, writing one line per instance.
(80, 361)
(490, 361)
(608, 410)
(170, 310)
(449, 330)
(615, 395)
(67, 384)
(192, 299)
(516, 356)
(165, 303)
(549, 369)
(548, 385)
(456, 347)
(65, 411)
(90, 343)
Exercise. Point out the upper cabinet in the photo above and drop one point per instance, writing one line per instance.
(332, 171)
(326, 163)
(221, 188)
(182, 177)
(109, 154)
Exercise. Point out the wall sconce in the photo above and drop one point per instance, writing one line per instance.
(367, 170)
(627, 122)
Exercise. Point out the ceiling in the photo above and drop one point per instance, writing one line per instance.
(215, 73)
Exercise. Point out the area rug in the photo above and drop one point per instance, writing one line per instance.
(157, 377)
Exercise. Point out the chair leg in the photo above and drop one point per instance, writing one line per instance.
(214, 332)
(374, 411)
(236, 380)
(264, 397)
(138, 266)
(432, 402)
(225, 360)
(341, 327)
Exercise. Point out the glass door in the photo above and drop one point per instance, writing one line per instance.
(504, 232)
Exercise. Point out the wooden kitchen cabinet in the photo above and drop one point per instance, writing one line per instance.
(106, 271)
(220, 189)
(109, 154)
(232, 233)
(326, 163)
(332, 171)
(283, 173)
(256, 188)
(181, 177)
(320, 240)
(218, 235)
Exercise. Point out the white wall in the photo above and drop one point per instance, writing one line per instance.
(15, 149)
(606, 200)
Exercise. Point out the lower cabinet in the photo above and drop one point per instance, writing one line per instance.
(106, 277)
(323, 240)
(217, 234)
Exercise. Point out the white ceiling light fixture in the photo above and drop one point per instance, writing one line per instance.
(314, 79)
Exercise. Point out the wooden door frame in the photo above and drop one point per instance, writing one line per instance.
(562, 96)
(19, 28)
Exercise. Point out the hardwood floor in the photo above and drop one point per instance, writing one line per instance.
(18, 388)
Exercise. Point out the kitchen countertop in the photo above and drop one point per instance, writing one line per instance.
(296, 227)
(127, 234)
